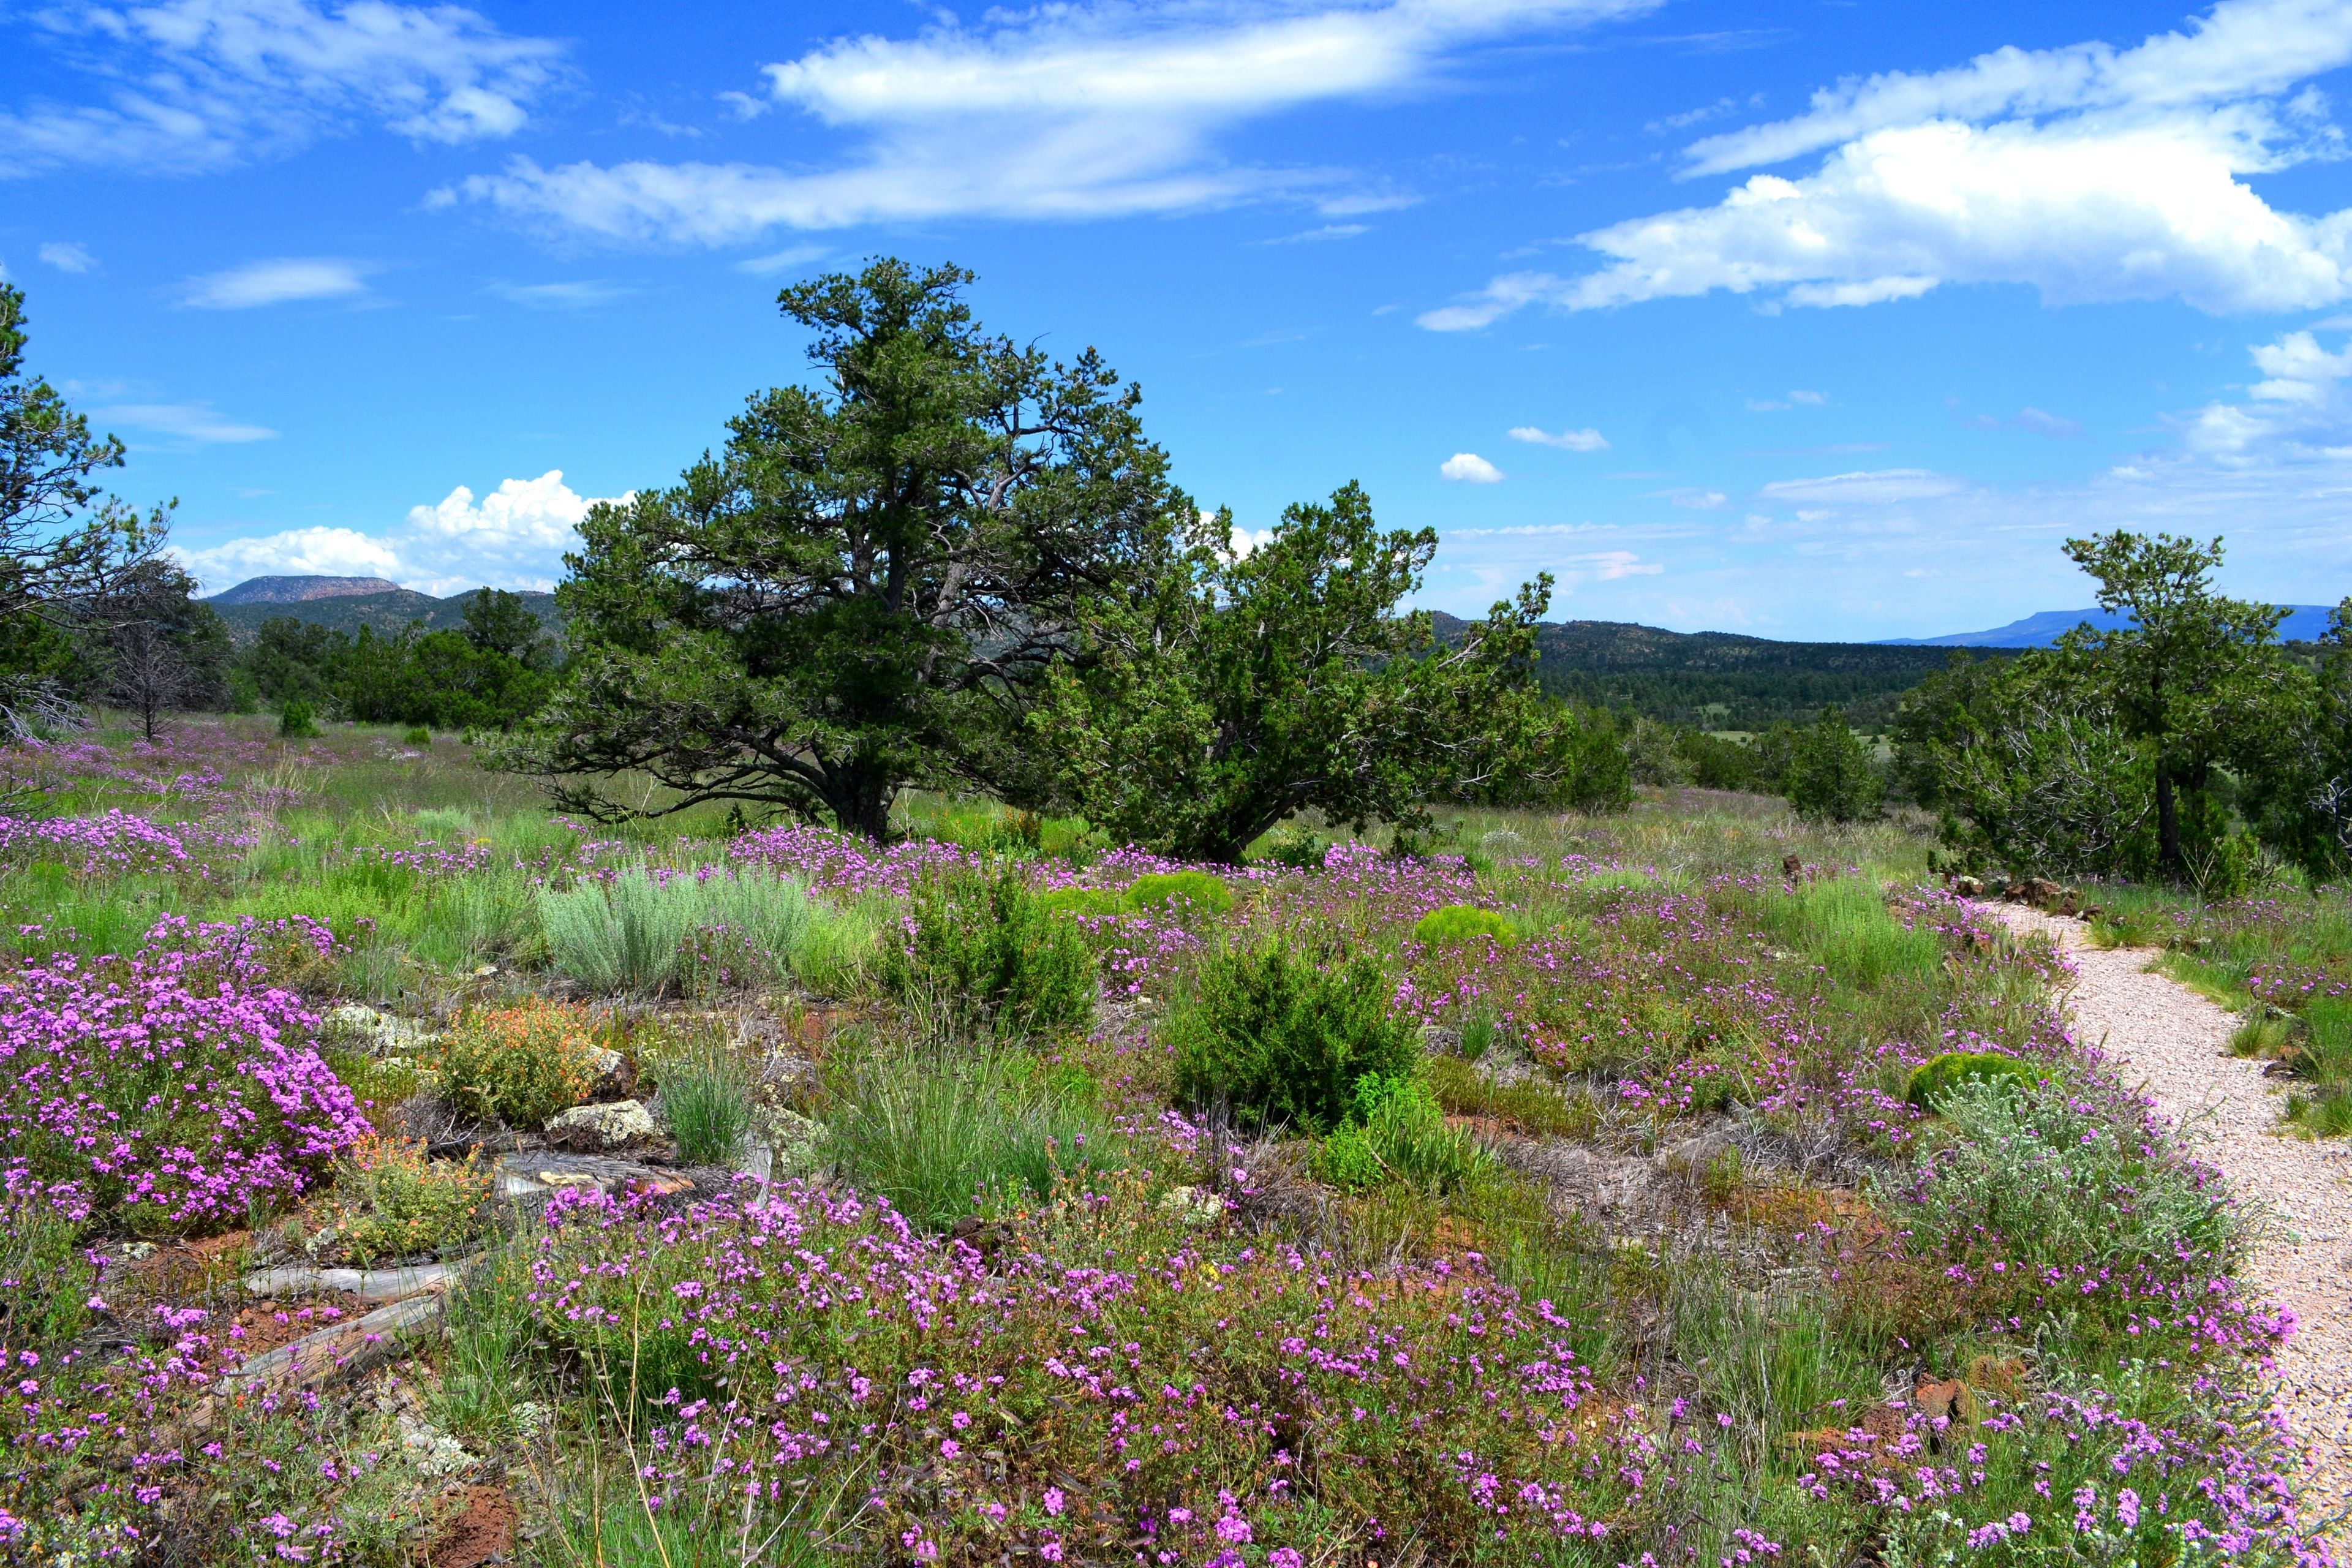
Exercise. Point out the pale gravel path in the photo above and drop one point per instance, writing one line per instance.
(2173, 1045)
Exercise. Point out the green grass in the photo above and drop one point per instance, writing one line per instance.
(1845, 925)
(944, 1134)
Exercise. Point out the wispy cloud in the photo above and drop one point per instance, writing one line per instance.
(197, 423)
(1586, 440)
(1328, 231)
(187, 86)
(1062, 112)
(583, 295)
(1882, 487)
(2088, 172)
(275, 282)
(2056, 427)
(69, 257)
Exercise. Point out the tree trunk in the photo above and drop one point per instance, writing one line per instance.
(2168, 822)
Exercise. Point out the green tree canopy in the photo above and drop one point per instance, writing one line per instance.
(1232, 691)
(861, 590)
(64, 546)
(2195, 677)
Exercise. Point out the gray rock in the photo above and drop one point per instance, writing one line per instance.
(592, 1128)
(378, 1034)
(536, 1175)
(796, 1143)
(368, 1284)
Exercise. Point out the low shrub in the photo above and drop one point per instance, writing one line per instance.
(1283, 1038)
(837, 951)
(943, 1137)
(1089, 902)
(1296, 847)
(994, 955)
(295, 722)
(417, 735)
(2045, 1198)
(1934, 1080)
(176, 1090)
(1464, 922)
(1397, 1133)
(391, 1202)
(517, 1065)
(1182, 892)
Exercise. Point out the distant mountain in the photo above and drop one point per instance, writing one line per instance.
(1720, 681)
(386, 607)
(299, 590)
(2305, 623)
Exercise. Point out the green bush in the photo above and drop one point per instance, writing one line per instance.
(1464, 922)
(837, 949)
(1284, 1038)
(391, 1202)
(295, 721)
(1397, 1132)
(2040, 1176)
(1093, 901)
(643, 932)
(1829, 777)
(995, 954)
(1182, 891)
(1932, 1081)
(417, 735)
(941, 1137)
(1296, 847)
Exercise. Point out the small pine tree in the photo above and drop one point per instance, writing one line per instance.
(1829, 776)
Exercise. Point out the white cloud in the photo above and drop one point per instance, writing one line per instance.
(192, 422)
(69, 257)
(1697, 500)
(784, 260)
(1610, 565)
(1811, 399)
(2087, 173)
(583, 295)
(1883, 487)
(1061, 113)
(1586, 440)
(195, 85)
(513, 537)
(1469, 468)
(276, 282)
(519, 515)
(1328, 231)
(300, 552)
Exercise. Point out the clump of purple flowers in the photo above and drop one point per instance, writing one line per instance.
(175, 1088)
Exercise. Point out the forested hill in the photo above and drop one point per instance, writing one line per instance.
(388, 610)
(1719, 681)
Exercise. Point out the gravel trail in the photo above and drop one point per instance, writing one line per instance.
(2173, 1044)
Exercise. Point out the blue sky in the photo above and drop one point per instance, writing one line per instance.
(1804, 319)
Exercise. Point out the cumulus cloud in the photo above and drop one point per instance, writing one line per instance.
(300, 552)
(188, 86)
(1585, 440)
(1469, 468)
(69, 257)
(197, 424)
(1059, 113)
(513, 537)
(2088, 172)
(276, 282)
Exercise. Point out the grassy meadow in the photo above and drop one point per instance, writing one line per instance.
(1690, 1186)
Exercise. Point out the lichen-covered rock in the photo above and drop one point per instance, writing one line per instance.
(363, 1027)
(592, 1128)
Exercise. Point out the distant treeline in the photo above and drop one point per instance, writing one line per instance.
(1719, 681)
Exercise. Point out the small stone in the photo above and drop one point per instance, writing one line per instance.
(432, 1450)
(1193, 1206)
(589, 1128)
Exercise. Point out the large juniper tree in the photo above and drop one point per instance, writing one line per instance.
(64, 546)
(858, 592)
